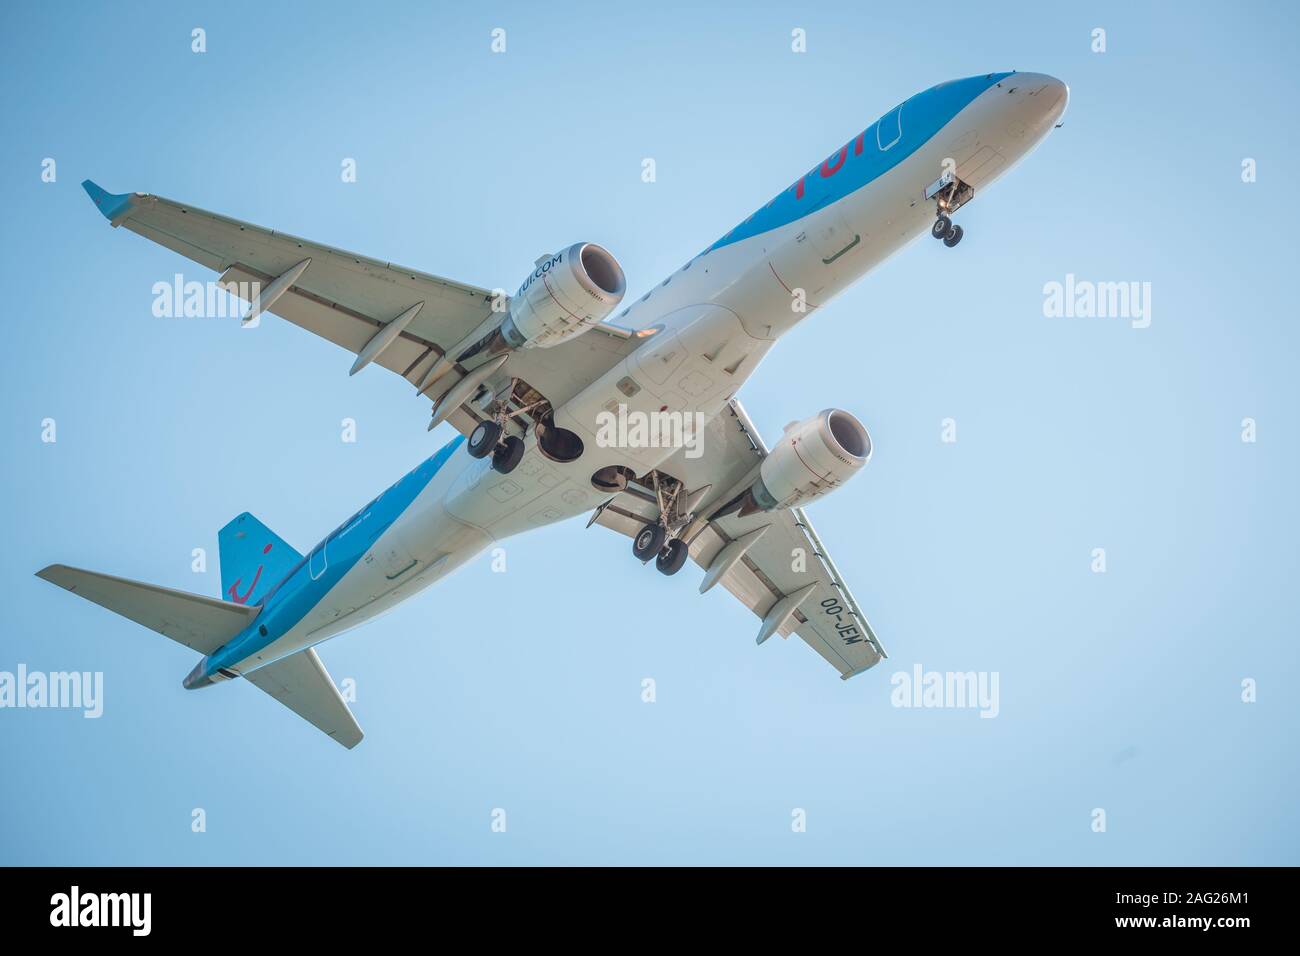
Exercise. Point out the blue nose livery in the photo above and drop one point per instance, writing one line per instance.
(853, 165)
(532, 384)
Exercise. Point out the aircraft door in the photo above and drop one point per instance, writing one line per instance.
(319, 561)
(890, 128)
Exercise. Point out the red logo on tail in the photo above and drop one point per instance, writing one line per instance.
(233, 590)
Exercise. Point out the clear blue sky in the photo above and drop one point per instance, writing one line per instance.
(522, 691)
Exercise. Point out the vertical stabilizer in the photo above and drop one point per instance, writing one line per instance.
(254, 559)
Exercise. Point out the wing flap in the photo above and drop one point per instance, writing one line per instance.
(339, 324)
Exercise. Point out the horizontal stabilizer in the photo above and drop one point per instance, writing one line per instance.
(302, 684)
(198, 622)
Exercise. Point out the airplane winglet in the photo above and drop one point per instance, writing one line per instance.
(113, 206)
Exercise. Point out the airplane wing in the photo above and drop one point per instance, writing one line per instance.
(301, 682)
(399, 318)
(785, 575)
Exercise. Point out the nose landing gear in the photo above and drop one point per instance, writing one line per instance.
(945, 229)
(949, 194)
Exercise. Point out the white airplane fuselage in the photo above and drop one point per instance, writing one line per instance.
(719, 315)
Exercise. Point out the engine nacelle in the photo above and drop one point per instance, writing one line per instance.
(812, 459)
(565, 296)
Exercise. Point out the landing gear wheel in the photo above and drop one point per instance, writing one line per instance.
(942, 226)
(648, 541)
(672, 558)
(508, 455)
(953, 237)
(483, 439)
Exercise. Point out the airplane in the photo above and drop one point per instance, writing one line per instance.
(529, 379)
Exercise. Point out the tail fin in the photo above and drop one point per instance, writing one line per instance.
(198, 622)
(254, 559)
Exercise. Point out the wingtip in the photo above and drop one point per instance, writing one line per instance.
(351, 740)
(46, 573)
(111, 205)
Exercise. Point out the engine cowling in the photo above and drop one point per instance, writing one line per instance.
(812, 459)
(566, 295)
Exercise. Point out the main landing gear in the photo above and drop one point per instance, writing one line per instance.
(492, 436)
(651, 542)
(486, 440)
(666, 538)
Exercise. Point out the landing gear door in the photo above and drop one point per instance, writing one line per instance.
(940, 184)
(949, 192)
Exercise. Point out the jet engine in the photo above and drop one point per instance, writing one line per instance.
(567, 294)
(812, 458)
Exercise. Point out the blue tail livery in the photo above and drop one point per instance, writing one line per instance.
(254, 559)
